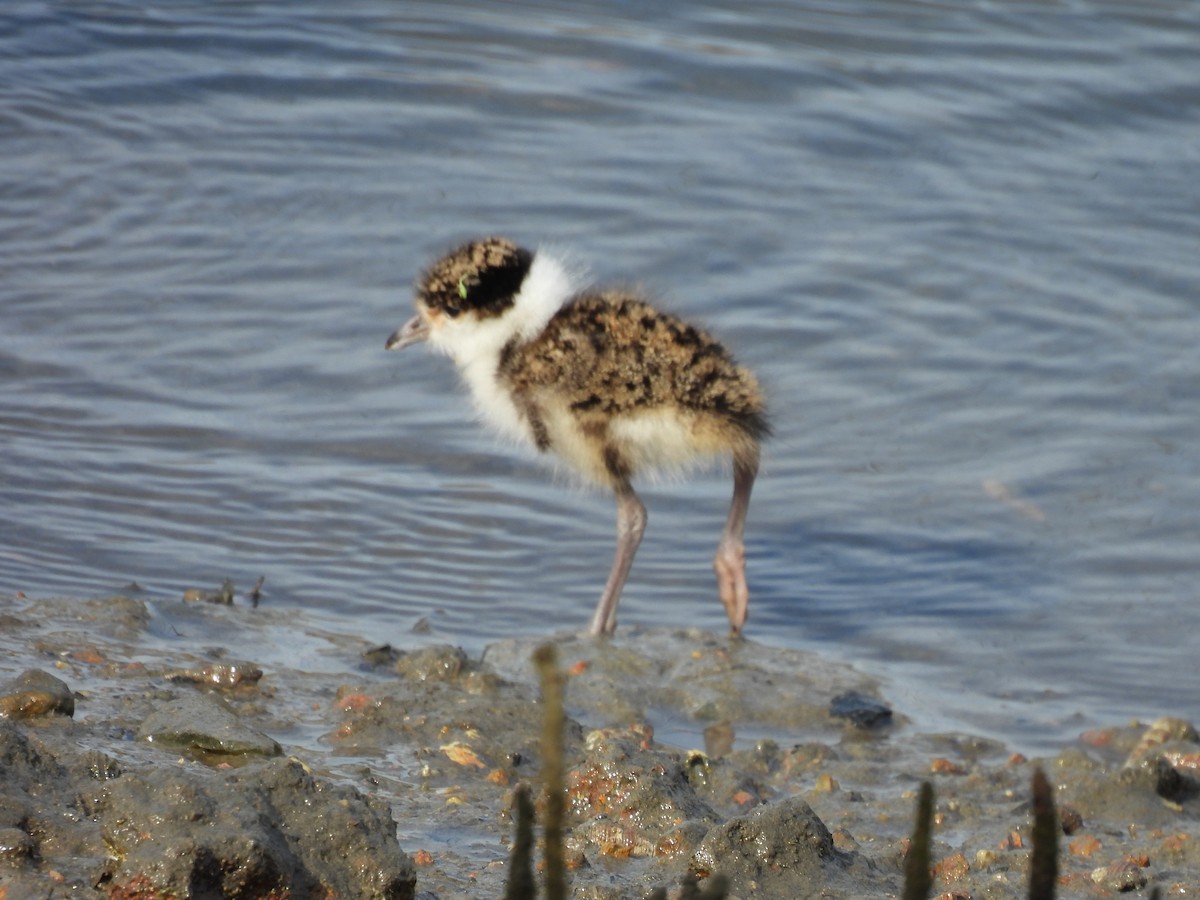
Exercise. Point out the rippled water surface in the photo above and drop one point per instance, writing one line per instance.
(959, 243)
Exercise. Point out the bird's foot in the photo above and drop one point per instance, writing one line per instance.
(730, 566)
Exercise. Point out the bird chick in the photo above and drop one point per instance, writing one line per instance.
(600, 378)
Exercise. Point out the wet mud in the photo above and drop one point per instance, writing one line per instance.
(152, 748)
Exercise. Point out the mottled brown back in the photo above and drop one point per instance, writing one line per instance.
(612, 353)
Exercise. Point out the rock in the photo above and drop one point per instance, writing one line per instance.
(439, 663)
(35, 693)
(72, 823)
(45, 818)
(270, 829)
(629, 803)
(1162, 731)
(777, 850)
(222, 596)
(203, 722)
(1121, 876)
(227, 674)
(1172, 784)
(862, 711)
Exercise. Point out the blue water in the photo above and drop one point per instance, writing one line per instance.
(958, 242)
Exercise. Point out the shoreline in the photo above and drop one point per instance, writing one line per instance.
(153, 724)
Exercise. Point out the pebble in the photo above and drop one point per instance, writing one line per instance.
(35, 693)
(861, 711)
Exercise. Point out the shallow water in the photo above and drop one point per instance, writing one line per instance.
(958, 243)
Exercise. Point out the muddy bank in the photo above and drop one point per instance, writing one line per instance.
(156, 748)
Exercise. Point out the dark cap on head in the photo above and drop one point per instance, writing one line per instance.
(481, 276)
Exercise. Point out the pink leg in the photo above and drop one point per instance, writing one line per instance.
(730, 561)
(631, 523)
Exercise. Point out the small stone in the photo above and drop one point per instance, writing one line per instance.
(781, 847)
(439, 663)
(1085, 845)
(222, 675)
(825, 784)
(35, 693)
(943, 766)
(952, 868)
(204, 723)
(1161, 731)
(1070, 819)
(862, 711)
(1123, 875)
(223, 596)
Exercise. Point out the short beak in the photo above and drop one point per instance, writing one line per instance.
(411, 332)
